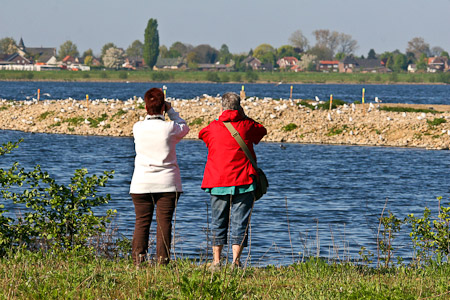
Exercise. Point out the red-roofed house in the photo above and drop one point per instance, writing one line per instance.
(296, 68)
(287, 62)
(437, 64)
(70, 60)
(328, 66)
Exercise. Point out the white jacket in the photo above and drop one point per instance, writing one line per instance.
(155, 167)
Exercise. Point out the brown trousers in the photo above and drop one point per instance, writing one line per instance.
(144, 204)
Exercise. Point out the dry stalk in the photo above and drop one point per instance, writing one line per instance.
(289, 230)
(335, 248)
(378, 234)
(317, 239)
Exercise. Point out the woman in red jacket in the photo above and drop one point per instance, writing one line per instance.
(229, 176)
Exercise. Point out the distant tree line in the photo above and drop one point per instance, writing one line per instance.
(329, 45)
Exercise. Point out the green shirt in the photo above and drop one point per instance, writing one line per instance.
(231, 190)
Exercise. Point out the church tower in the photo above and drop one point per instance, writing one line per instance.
(21, 45)
(21, 48)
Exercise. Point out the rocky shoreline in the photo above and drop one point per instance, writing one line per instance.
(287, 121)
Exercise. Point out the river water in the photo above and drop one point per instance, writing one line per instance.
(331, 195)
(417, 94)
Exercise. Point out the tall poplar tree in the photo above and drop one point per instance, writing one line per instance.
(151, 43)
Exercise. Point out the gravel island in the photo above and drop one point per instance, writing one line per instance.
(287, 121)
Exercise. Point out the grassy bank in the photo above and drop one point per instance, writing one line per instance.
(197, 76)
(80, 275)
(99, 267)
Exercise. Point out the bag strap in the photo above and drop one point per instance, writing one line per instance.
(241, 143)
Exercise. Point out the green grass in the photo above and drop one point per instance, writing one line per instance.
(198, 76)
(306, 103)
(334, 104)
(408, 109)
(75, 121)
(119, 113)
(436, 122)
(196, 121)
(94, 122)
(336, 130)
(289, 127)
(26, 275)
(44, 115)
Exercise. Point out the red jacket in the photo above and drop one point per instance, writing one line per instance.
(227, 164)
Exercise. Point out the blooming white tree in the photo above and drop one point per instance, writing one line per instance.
(306, 61)
(114, 58)
(8, 45)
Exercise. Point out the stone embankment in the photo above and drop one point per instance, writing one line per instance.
(286, 120)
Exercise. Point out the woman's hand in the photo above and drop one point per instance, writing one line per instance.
(167, 106)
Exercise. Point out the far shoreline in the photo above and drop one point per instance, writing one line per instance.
(229, 82)
(235, 77)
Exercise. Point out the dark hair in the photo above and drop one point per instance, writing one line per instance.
(154, 101)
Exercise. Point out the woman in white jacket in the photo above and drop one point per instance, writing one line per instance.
(156, 179)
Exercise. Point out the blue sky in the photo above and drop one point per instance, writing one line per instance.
(384, 25)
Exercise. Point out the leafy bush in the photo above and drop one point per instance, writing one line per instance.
(56, 215)
(6, 179)
(391, 225)
(431, 236)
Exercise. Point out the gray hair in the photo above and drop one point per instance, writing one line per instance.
(231, 101)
